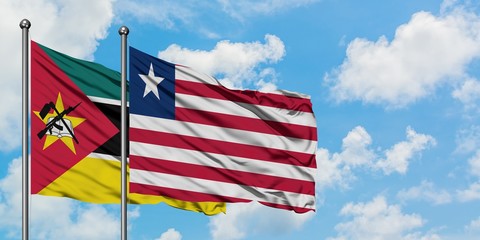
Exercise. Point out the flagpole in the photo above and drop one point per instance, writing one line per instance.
(25, 26)
(123, 31)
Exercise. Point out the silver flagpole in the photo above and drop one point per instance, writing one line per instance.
(123, 31)
(25, 26)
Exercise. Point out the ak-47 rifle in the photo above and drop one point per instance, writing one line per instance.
(53, 122)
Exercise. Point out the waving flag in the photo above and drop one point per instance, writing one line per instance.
(75, 132)
(195, 140)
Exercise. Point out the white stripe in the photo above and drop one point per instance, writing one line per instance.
(222, 188)
(188, 74)
(222, 134)
(105, 100)
(245, 110)
(221, 161)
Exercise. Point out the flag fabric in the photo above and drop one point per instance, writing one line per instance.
(75, 122)
(195, 140)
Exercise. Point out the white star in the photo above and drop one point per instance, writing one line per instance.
(151, 82)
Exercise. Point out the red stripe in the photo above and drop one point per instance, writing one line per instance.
(191, 196)
(221, 147)
(183, 195)
(246, 123)
(287, 207)
(222, 175)
(244, 96)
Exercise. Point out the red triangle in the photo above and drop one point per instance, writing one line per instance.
(47, 81)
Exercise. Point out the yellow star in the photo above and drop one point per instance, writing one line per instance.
(50, 139)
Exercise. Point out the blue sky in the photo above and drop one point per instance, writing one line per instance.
(394, 84)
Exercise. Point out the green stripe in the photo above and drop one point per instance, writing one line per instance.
(92, 78)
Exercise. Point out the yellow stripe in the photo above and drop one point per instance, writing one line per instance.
(97, 180)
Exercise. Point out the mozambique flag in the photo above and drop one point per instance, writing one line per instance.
(75, 136)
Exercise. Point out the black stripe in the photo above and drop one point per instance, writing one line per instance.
(112, 146)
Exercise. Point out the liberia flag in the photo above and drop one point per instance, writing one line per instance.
(75, 122)
(195, 140)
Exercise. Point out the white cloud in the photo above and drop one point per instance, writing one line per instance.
(473, 226)
(425, 191)
(71, 26)
(71, 220)
(268, 79)
(334, 172)
(11, 197)
(398, 157)
(420, 236)
(378, 220)
(357, 152)
(242, 69)
(202, 17)
(134, 213)
(468, 140)
(170, 234)
(470, 194)
(468, 93)
(248, 219)
(161, 12)
(52, 217)
(448, 5)
(243, 9)
(337, 168)
(411, 66)
(471, 231)
(474, 163)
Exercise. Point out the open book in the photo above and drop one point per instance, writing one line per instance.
(59, 129)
